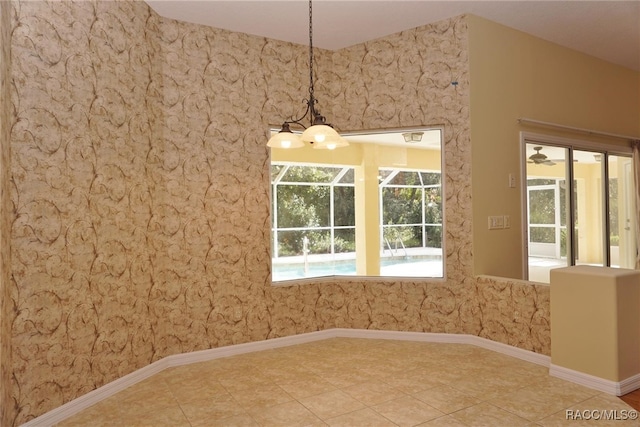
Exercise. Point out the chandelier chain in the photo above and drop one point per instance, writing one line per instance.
(310, 49)
(318, 131)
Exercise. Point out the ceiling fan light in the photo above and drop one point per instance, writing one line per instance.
(285, 139)
(412, 136)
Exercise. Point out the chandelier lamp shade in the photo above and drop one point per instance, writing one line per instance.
(319, 133)
(285, 138)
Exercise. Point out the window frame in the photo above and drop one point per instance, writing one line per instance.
(387, 278)
(571, 145)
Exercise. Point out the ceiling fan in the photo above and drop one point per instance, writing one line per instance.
(540, 159)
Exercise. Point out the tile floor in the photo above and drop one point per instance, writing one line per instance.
(354, 382)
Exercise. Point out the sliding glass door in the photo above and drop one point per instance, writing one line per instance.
(579, 208)
(546, 178)
(589, 219)
(622, 230)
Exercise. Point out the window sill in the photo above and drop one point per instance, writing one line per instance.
(351, 279)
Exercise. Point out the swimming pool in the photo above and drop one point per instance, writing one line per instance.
(397, 267)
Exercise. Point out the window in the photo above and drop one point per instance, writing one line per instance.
(371, 209)
(411, 213)
(313, 220)
(579, 207)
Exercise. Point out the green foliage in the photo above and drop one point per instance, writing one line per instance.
(303, 206)
(322, 244)
(403, 205)
(399, 234)
(542, 208)
(542, 234)
(304, 201)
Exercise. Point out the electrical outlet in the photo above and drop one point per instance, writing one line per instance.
(506, 221)
(512, 181)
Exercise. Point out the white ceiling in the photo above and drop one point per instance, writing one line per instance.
(607, 29)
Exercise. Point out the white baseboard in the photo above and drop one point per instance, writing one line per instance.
(485, 343)
(618, 388)
(630, 384)
(83, 402)
(73, 407)
(233, 350)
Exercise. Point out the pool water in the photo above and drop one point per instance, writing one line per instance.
(399, 267)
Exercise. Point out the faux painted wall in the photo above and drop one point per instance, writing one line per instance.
(83, 208)
(5, 214)
(140, 191)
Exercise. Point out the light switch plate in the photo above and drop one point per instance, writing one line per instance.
(496, 222)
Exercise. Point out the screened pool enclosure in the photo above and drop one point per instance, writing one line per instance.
(315, 229)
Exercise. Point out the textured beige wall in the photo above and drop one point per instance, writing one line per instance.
(83, 195)
(5, 215)
(515, 312)
(140, 189)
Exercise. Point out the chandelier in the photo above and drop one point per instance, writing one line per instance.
(319, 133)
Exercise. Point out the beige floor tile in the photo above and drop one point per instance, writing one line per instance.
(150, 395)
(204, 370)
(195, 388)
(485, 414)
(263, 395)
(523, 366)
(407, 411)
(534, 404)
(447, 375)
(331, 404)
(242, 420)
(345, 377)
(165, 417)
(446, 399)
(362, 417)
(289, 372)
(199, 412)
(564, 394)
(489, 385)
(290, 414)
(354, 382)
(169, 416)
(240, 383)
(227, 367)
(309, 386)
(373, 392)
(413, 381)
(99, 415)
(382, 369)
(446, 421)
